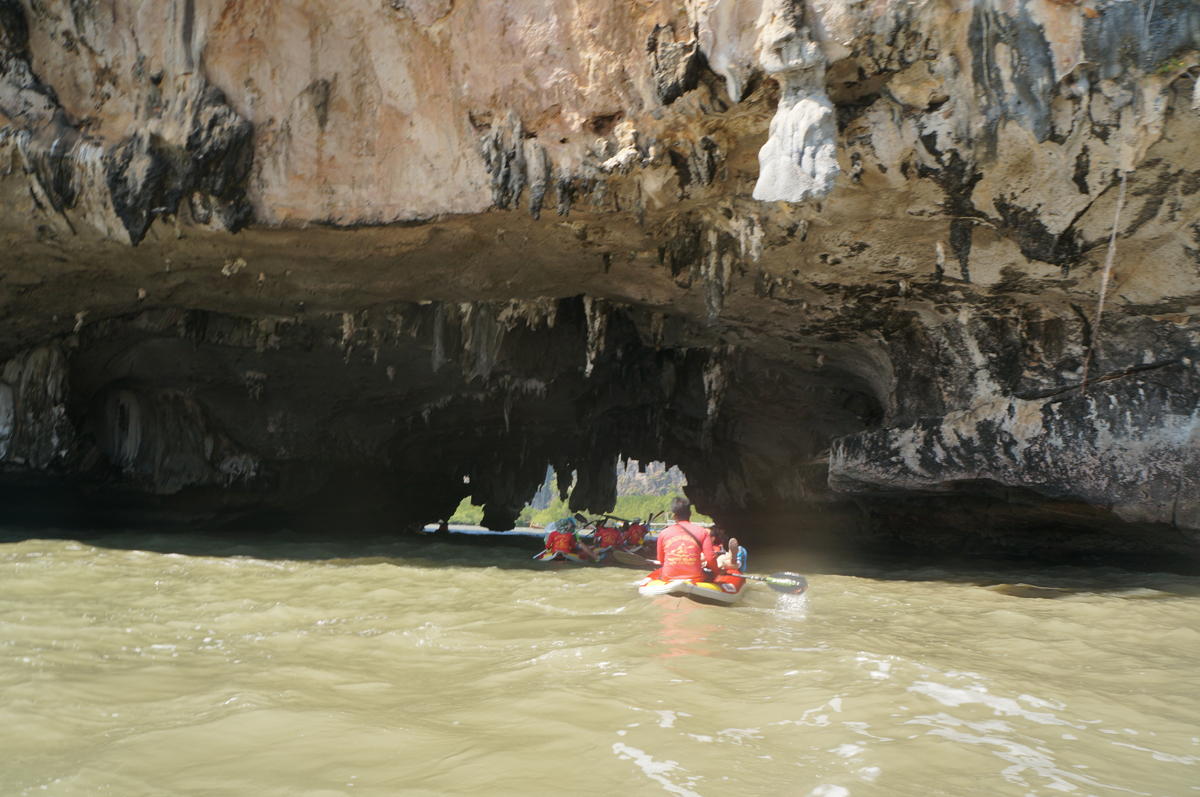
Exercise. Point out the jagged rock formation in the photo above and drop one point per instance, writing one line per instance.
(839, 261)
(187, 150)
(649, 478)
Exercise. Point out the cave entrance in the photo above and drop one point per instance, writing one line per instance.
(644, 490)
(387, 419)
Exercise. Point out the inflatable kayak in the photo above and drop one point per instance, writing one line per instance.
(604, 556)
(560, 556)
(727, 588)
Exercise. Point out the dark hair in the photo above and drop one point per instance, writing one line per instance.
(681, 508)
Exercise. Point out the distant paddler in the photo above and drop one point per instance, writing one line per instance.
(604, 539)
(562, 542)
(634, 536)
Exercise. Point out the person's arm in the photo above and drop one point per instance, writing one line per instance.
(661, 534)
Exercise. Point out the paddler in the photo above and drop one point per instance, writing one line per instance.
(733, 557)
(634, 535)
(685, 548)
(730, 555)
(606, 538)
(563, 538)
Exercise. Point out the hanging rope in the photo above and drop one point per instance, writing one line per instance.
(1112, 239)
(1104, 278)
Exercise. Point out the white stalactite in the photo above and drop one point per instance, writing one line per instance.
(799, 161)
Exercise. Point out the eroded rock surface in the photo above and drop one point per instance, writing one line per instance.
(840, 261)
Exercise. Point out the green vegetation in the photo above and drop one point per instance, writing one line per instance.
(1170, 65)
(467, 514)
(628, 506)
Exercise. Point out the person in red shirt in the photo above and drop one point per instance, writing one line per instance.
(563, 538)
(633, 537)
(606, 538)
(685, 548)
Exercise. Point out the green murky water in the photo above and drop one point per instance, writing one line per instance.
(200, 667)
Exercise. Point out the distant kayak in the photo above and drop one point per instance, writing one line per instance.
(726, 589)
(605, 556)
(560, 556)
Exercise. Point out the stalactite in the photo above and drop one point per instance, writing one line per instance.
(717, 373)
(597, 312)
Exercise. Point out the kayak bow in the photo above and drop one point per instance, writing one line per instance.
(786, 582)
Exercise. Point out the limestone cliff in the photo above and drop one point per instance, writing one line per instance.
(843, 262)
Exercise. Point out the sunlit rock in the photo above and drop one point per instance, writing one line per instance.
(798, 162)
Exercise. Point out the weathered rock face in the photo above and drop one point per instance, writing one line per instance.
(840, 261)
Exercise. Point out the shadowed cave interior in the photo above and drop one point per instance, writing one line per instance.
(384, 420)
(389, 418)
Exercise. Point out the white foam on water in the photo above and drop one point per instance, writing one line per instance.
(667, 718)
(796, 605)
(1024, 760)
(883, 667)
(1157, 756)
(655, 770)
(955, 697)
(829, 790)
(739, 735)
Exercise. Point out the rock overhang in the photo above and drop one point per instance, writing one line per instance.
(889, 335)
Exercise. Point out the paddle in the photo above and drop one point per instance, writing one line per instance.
(788, 583)
(630, 558)
(583, 521)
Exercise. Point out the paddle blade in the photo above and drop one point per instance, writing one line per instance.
(627, 558)
(787, 583)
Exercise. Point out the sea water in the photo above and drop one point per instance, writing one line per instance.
(158, 665)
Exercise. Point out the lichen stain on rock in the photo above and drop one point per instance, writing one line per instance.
(1129, 446)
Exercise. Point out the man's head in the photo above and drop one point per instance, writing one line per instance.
(681, 508)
